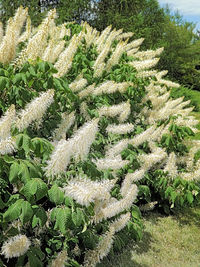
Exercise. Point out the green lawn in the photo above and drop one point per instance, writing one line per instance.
(168, 241)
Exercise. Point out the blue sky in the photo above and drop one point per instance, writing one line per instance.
(189, 9)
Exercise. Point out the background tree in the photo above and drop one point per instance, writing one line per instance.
(77, 10)
(8, 8)
(143, 17)
(181, 54)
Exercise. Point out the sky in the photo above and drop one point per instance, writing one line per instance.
(189, 9)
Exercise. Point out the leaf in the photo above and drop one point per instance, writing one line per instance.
(23, 141)
(173, 196)
(40, 217)
(30, 187)
(37, 251)
(19, 140)
(42, 189)
(77, 217)
(56, 195)
(54, 214)
(14, 171)
(35, 187)
(63, 219)
(136, 214)
(27, 212)
(8, 159)
(168, 191)
(189, 197)
(34, 260)
(3, 82)
(24, 172)
(17, 78)
(2, 204)
(14, 211)
(69, 201)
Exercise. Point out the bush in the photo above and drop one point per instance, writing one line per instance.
(79, 159)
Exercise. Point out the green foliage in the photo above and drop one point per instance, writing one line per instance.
(37, 205)
(172, 193)
(7, 10)
(181, 46)
(145, 18)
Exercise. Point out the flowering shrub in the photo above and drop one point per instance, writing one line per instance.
(87, 130)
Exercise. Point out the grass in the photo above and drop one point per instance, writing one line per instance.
(168, 241)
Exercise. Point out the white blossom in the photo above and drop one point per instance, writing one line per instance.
(15, 246)
(123, 110)
(60, 158)
(60, 260)
(171, 166)
(86, 91)
(149, 54)
(78, 84)
(65, 59)
(134, 44)
(83, 139)
(120, 129)
(34, 110)
(144, 136)
(85, 191)
(6, 122)
(129, 179)
(111, 163)
(122, 204)
(117, 148)
(7, 146)
(121, 222)
(144, 64)
(66, 122)
(92, 257)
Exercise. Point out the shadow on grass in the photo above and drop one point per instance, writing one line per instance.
(173, 232)
(188, 216)
(126, 257)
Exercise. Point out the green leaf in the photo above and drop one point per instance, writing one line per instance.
(24, 172)
(42, 189)
(2, 204)
(63, 219)
(27, 212)
(14, 171)
(54, 214)
(8, 159)
(56, 195)
(3, 82)
(189, 197)
(77, 217)
(17, 78)
(34, 260)
(30, 188)
(173, 196)
(69, 201)
(136, 214)
(168, 191)
(35, 187)
(14, 211)
(40, 217)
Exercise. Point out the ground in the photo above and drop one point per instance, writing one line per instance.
(168, 241)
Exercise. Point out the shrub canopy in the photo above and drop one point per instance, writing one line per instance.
(88, 134)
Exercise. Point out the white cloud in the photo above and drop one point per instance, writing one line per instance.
(186, 7)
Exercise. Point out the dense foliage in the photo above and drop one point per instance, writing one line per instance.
(88, 136)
